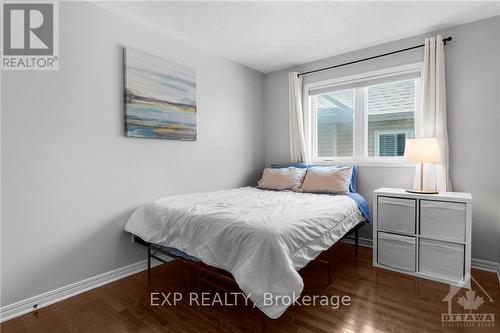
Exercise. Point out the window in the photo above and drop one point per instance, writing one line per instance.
(391, 109)
(335, 123)
(367, 117)
(390, 143)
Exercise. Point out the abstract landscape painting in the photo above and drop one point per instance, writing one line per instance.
(160, 98)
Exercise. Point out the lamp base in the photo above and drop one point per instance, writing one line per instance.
(423, 191)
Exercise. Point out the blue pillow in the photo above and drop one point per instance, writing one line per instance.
(352, 184)
(287, 165)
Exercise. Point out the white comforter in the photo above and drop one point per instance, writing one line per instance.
(261, 237)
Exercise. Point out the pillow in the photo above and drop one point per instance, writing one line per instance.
(327, 180)
(282, 179)
(352, 185)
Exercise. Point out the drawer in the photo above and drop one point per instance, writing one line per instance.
(443, 220)
(396, 214)
(396, 251)
(442, 259)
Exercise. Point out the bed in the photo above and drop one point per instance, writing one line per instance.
(261, 237)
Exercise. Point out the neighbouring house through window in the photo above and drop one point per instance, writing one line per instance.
(390, 143)
(368, 117)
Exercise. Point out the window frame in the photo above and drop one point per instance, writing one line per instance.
(360, 118)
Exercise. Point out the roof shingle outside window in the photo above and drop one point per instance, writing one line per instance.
(392, 97)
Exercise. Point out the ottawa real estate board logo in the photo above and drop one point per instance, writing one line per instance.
(30, 37)
(470, 301)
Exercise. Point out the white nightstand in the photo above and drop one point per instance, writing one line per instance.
(425, 235)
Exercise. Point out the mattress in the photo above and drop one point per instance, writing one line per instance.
(261, 237)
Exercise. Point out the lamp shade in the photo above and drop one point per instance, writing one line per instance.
(422, 150)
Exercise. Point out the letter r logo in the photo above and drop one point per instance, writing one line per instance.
(28, 29)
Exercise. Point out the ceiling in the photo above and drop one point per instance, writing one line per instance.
(268, 36)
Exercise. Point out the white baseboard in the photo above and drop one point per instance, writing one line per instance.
(484, 265)
(488, 266)
(25, 306)
(34, 303)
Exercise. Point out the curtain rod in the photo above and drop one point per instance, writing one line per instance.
(447, 39)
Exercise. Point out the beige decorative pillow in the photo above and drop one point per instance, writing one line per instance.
(282, 179)
(327, 180)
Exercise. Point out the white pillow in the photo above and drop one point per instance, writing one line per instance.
(327, 180)
(282, 179)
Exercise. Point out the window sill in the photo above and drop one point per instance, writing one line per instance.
(367, 162)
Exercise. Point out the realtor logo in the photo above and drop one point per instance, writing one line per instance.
(469, 301)
(30, 36)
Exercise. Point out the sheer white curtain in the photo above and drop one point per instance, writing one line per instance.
(432, 121)
(298, 151)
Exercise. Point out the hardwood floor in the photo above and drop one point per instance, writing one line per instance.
(381, 301)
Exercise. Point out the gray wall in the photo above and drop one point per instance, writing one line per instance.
(70, 178)
(472, 70)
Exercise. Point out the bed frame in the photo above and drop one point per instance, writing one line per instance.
(154, 250)
(207, 271)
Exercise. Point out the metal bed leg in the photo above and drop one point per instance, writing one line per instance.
(356, 240)
(149, 257)
(329, 266)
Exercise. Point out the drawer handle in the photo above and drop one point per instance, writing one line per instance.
(396, 202)
(443, 246)
(399, 241)
(447, 207)
(397, 238)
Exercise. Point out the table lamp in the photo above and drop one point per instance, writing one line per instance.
(422, 150)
